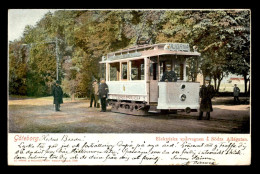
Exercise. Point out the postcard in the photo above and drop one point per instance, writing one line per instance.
(129, 87)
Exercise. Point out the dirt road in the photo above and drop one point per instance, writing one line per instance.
(37, 115)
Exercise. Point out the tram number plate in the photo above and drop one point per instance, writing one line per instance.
(177, 47)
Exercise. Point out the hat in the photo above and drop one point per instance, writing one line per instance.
(58, 82)
(207, 78)
(168, 65)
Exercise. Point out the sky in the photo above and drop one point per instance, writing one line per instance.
(19, 18)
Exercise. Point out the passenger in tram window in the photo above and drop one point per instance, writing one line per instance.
(169, 75)
(134, 74)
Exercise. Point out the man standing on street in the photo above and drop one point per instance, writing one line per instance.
(58, 95)
(103, 91)
(236, 92)
(94, 94)
(206, 94)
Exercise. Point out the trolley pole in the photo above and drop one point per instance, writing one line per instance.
(57, 58)
(56, 52)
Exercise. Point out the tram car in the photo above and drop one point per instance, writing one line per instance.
(134, 78)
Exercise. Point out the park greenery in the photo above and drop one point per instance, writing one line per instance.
(81, 37)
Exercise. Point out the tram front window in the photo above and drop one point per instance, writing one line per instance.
(179, 71)
(171, 72)
(137, 69)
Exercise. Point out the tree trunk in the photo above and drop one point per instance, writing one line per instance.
(219, 82)
(248, 92)
(215, 84)
(73, 96)
(245, 80)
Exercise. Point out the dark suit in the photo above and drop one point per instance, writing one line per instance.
(58, 96)
(103, 91)
(236, 92)
(206, 94)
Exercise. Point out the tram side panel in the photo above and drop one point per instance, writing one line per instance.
(128, 97)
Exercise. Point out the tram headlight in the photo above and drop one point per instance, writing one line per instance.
(183, 97)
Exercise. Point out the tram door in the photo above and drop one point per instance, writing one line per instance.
(154, 77)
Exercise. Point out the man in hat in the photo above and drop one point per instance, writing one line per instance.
(169, 75)
(103, 91)
(236, 92)
(94, 93)
(57, 94)
(206, 94)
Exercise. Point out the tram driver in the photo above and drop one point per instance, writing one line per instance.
(169, 75)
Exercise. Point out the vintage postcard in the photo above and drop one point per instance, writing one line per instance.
(129, 87)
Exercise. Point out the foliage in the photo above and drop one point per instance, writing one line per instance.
(84, 36)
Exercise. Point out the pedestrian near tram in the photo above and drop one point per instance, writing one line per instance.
(94, 94)
(236, 92)
(103, 92)
(206, 94)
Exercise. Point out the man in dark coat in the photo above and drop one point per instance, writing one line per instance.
(57, 94)
(169, 75)
(206, 94)
(103, 91)
(236, 92)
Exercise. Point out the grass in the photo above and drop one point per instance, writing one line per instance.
(228, 87)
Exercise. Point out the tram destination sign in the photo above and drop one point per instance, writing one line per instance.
(122, 56)
(177, 47)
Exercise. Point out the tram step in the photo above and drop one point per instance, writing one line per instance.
(153, 109)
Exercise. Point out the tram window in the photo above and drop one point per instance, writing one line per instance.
(124, 71)
(103, 70)
(153, 71)
(162, 68)
(179, 71)
(114, 71)
(137, 69)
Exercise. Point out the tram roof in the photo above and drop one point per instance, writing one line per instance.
(142, 51)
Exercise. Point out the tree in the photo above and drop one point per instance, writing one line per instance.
(84, 36)
(238, 54)
(17, 69)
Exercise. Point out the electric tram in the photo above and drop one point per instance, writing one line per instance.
(134, 78)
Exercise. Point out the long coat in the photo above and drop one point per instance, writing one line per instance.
(236, 91)
(57, 94)
(206, 94)
(103, 90)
